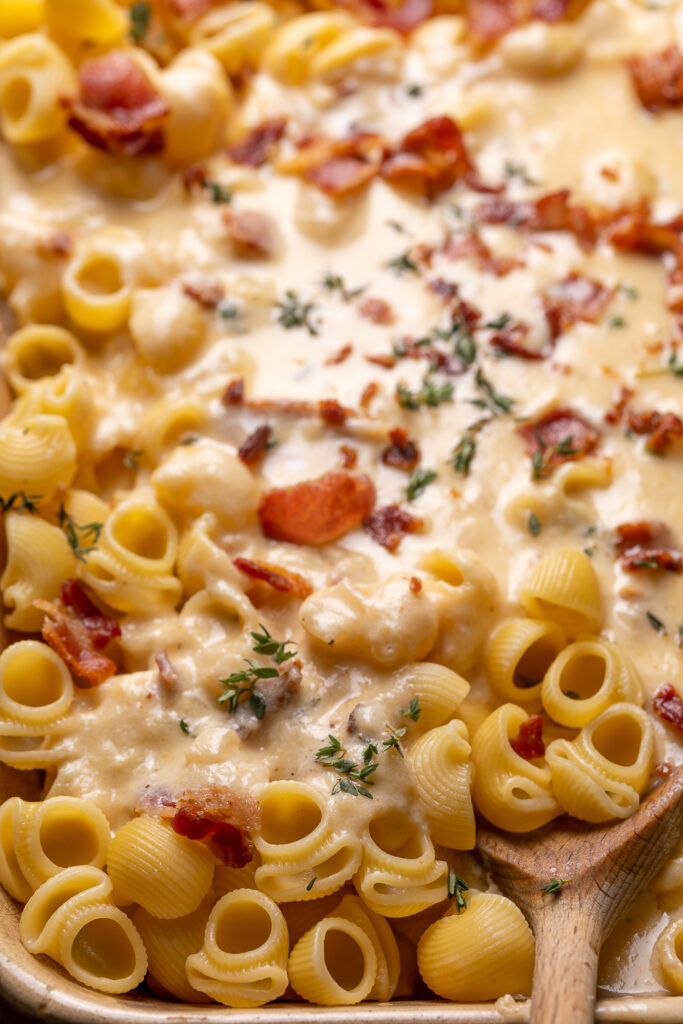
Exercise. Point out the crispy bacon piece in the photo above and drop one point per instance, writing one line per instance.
(256, 147)
(402, 17)
(102, 627)
(284, 580)
(119, 110)
(528, 742)
(317, 511)
(669, 706)
(332, 412)
(402, 453)
(252, 233)
(663, 428)
(490, 19)
(382, 359)
(389, 525)
(349, 456)
(75, 644)
(57, 243)
(644, 545)
(221, 819)
(616, 410)
(473, 247)
(429, 159)
(204, 291)
(658, 78)
(561, 435)
(368, 394)
(377, 311)
(276, 692)
(340, 356)
(509, 341)
(186, 10)
(573, 299)
(234, 392)
(253, 449)
(552, 212)
(633, 230)
(338, 167)
(415, 584)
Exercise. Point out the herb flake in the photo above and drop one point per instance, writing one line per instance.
(295, 313)
(456, 887)
(554, 885)
(420, 479)
(139, 21)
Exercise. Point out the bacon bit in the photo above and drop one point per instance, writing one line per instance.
(284, 580)
(252, 233)
(369, 392)
(251, 452)
(102, 627)
(551, 212)
(446, 290)
(490, 19)
(276, 692)
(389, 524)
(382, 359)
(340, 356)
(509, 342)
(529, 740)
(663, 770)
(429, 159)
(256, 147)
(573, 299)
(337, 167)
(187, 10)
(669, 706)
(663, 429)
(402, 17)
(341, 175)
(317, 511)
(377, 310)
(616, 410)
(234, 392)
(168, 673)
(119, 110)
(205, 292)
(57, 243)
(402, 453)
(74, 642)
(332, 412)
(415, 585)
(658, 78)
(633, 230)
(472, 246)
(641, 546)
(559, 436)
(349, 456)
(221, 819)
(194, 177)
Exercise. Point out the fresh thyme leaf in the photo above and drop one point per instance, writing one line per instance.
(139, 21)
(396, 226)
(656, 623)
(629, 291)
(496, 403)
(311, 884)
(355, 777)
(131, 458)
(466, 348)
(228, 310)
(414, 90)
(243, 682)
(403, 264)
(419, 481)
(392, 743)
(430, 394)
(500, 323)
(541, 460)
(463, 453)
(294, 313)
(534, 524)
(513, 170)
(456, 887)
(185, 728)
(20, 502)
(217, 193)
(257, 703)
(673, 365)
(333, 282)
(554, 885)
(76, 534)
(413, 711)
(616, 321)
(264, 643)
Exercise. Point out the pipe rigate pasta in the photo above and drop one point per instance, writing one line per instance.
(383, 942)
(36, 457)
(564, 588)
(138, 851)
(39, 559)
(513, 793)
(518, 656)
(36, 692)
(244, 956)
(399, 873)
(200, 102)
(668, 955)
(38, 351)
(98, 280)
(442, 775)
(480, 954)
(586, 678)
(333, 964)
(438, 690)
(235, 33)
(34, 73)
(169, 943)
(301, 839)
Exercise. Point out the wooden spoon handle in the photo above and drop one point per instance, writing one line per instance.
(566, 968)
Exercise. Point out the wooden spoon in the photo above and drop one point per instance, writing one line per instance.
(607, 868)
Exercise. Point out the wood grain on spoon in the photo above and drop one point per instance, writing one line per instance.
(607, 866)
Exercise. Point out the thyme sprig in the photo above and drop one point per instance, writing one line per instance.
(430, 394)
(295, 313)
(82, 539)
(243, 682)
(456, 887)
(413, 711)
(355, 777)
(554, 885)
(21, 502)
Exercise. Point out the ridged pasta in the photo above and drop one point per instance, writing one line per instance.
(600, 775)
(169, 943)
(36, 692)
(483, 953)
(383, 942)
(300, 840)
(438, 689)
(586, 678)
(442, 775)
(98, 280)
(399, 874)
(34, 76)
(192, 480)
(333, 964)
(36, 456)
(38, 351)
(167, 327)
(150, 864)
(668, 955)
(513, 793)
(90, 22)
(38, 840)
(235, 33)
(564, 588)
(39, 559)
(200, 101)
(71, 919)
(518, 656)
(244, 956)
(69, 394)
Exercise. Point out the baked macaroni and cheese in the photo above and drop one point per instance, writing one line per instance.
(341, 481)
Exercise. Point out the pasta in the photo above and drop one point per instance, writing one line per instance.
(340, 512)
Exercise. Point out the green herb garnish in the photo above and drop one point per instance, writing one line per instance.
(456, 887)
(139, 21)
(403, 264)
(413, 711)
(20, 502)
(419, 480)
(534, 524)
(554, 885)
(76, 534)
(430, 394)
(294, 313)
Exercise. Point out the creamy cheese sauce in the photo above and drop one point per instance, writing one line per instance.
(563, 131)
